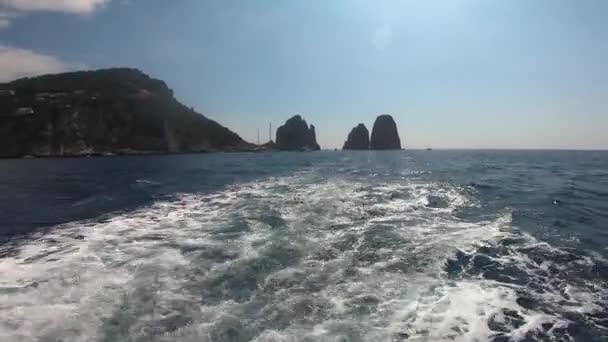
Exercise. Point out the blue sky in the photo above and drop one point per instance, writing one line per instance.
(454, 74)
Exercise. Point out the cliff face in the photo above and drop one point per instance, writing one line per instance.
(99, 112)
(358, 139)
(295, 135)
(384, 134)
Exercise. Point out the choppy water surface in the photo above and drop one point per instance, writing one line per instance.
(330, 246)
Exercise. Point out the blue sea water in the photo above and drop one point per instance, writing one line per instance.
(328, 246)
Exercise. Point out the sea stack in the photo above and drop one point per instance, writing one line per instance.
(358, 139)
(384, 134)
(295, 135)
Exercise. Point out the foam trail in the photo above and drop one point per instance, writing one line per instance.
(285, 259)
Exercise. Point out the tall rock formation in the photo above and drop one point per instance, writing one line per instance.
(358, 139)
(295, 135)
(112, 111)
(384, 134)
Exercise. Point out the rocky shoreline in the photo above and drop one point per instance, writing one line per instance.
(124, 112)
(103, 112)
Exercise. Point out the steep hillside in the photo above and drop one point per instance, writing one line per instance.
(113, 111)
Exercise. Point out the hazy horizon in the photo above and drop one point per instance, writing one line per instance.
(464, 74)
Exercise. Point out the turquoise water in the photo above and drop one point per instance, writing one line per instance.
(328, 246)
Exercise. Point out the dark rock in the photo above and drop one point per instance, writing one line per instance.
(313, 142)
(384, 134)
(104, 112)
(358, 139)
(295, 135)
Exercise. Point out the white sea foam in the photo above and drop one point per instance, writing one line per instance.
(275, 260)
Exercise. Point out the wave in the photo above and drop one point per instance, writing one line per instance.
(296, 258)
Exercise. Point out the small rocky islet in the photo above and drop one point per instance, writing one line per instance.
(384, 136)
(358, 138)
(296, 135)
(124, 111)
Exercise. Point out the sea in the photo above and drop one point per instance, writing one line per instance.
(315, 246)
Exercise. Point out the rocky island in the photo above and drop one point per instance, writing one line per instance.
(358, 139)
(296, 135)
(124, 111)
(384, 134)
(112, 111)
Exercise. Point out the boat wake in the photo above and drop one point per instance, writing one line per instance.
(301, 258)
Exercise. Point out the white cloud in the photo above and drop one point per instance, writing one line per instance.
(16, 63)
(11, 9)
(68, 6)
(382, 37)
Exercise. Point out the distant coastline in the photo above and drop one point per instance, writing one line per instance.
(124, 112)
(102, 113)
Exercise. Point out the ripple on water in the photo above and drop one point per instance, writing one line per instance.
(297, 259)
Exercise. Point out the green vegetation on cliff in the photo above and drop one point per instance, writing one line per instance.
(101, 112)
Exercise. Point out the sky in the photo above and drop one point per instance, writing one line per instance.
(453, 73)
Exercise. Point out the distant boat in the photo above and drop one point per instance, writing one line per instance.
(429, 149)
